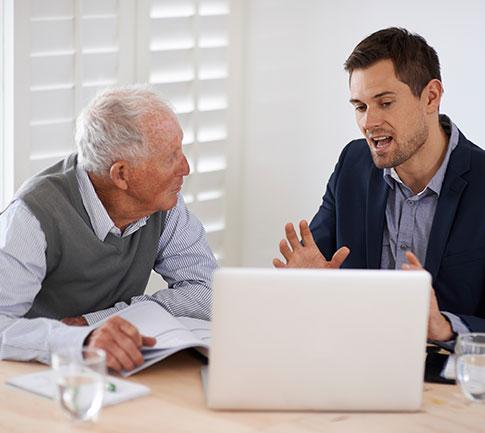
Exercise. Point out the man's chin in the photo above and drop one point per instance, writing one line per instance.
(168, 204)
(382, 163)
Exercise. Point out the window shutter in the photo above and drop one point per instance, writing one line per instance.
(74, 52)
(183, 53)
(3, 158)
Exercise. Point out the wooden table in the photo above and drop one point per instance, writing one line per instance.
(176, 404)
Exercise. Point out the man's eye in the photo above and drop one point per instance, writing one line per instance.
(360, 108)
(386, 104)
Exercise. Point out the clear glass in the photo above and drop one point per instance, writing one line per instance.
(80, 382)
(470, 365)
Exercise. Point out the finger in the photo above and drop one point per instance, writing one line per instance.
(122, 339)
(112, 362)
(125, 349)
(292, 236)
(285, 249)
(412, 259)
(126, 358)
(339, 257)
(100, 339)
(306, 234)
(148, 341)
(277, 263)
(130, 331)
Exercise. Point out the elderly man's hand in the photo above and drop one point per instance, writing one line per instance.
(122, 343)
(307, 255)
(75, 321)
(439, 328)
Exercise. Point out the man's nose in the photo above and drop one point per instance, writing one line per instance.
(184, 166)
(371, 120)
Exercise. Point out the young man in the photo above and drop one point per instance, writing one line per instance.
(409, 193)
(79, 240)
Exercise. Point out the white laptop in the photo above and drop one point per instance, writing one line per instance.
(351, 340)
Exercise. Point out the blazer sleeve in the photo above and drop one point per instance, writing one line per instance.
(474, 323)
(323, 225)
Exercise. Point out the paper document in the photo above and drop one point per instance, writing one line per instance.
(43, 383)
(172, 333)
(449, 368)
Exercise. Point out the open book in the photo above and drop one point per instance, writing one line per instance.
(172, 333)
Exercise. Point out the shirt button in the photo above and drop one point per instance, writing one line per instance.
(410, 203)
(403, 246)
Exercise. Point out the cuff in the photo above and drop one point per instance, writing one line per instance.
(66, 337)
(456, 323)
(458, 327)
(98, 316)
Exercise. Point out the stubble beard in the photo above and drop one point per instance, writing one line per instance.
(405, 150)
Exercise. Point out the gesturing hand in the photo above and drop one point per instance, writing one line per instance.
(121, 341)
(438, 327)
(307, 255)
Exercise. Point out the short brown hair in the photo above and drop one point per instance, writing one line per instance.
(415, 62)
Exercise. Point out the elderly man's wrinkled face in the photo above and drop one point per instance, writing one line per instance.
(159, 179)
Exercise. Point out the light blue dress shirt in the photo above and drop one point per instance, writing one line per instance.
(409, 216)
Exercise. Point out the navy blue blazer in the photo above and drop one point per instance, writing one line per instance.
(353, 214)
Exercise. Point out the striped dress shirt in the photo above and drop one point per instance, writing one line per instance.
(184, 260)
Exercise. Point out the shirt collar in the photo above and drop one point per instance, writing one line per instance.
(99, 217)
(390, 174)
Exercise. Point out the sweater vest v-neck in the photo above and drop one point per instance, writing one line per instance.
(84, 274)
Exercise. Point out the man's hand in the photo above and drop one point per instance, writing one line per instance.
(75, 321)
(438, 327)
(307, 255)
(121, 341)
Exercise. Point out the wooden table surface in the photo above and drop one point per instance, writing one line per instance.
(176, 404)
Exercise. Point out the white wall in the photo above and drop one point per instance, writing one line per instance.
(296, 112)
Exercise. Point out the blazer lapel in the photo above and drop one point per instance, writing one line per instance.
(451, 191)
(375, 216)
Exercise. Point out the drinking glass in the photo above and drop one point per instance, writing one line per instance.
(80, 381)
(470, 365)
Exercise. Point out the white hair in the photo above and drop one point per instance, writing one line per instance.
(108, 129)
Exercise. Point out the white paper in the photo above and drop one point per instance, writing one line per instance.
(43, 383)
(449, 368)
(172, 333)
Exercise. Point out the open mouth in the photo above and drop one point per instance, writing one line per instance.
(381, 142)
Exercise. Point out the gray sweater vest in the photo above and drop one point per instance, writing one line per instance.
(84, 274)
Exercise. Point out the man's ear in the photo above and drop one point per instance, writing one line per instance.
(119, 174)
(432, 94)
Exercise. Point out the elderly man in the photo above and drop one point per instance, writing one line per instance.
(411, 192)
(79, 240)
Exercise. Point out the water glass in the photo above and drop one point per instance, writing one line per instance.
(470, 365)
(80, 382)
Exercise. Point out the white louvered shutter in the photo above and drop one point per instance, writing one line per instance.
(183, 53)
(74, 52)
(3, 161)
